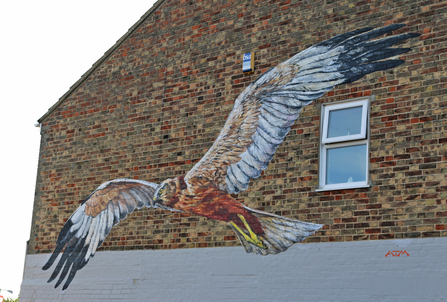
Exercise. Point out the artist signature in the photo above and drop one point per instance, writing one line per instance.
(397, 253)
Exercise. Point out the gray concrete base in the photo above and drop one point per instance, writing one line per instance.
(341, 271)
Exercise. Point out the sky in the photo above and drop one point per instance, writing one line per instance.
(45, 47)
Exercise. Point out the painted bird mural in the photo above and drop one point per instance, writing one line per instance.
(261, 118)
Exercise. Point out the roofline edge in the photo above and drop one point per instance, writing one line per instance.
(99, 62)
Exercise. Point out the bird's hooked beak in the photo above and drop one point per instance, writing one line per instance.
(156, 200)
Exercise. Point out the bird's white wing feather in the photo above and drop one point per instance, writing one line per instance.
(89, 225)
(265, 111)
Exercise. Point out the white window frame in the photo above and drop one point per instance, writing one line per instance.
(333, 107)
(343, 141)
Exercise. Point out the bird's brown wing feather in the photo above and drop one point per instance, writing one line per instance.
(125, 196)
(236, 135)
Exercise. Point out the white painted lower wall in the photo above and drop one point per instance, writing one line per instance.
(339, 271)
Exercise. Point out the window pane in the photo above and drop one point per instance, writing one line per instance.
(345, 122)
(346, 164)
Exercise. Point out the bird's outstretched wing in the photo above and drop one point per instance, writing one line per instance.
(264, 112)
(87, 228)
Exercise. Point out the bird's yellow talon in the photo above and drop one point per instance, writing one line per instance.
(253, 237)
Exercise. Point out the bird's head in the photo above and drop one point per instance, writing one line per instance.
(166, 195)
(163, 192)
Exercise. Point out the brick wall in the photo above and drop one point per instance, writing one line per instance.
(155, 105)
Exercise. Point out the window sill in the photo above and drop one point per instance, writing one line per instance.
(342, 187)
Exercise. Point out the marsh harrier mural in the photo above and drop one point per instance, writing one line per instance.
(261, 118)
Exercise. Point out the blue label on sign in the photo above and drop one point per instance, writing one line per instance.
(246, 66)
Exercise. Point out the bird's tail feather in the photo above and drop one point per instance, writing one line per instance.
(279, 233)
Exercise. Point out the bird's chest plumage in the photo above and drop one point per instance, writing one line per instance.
(213, 203)
(206, 201)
